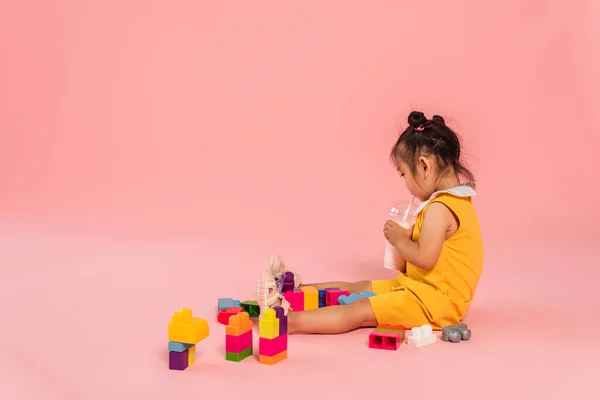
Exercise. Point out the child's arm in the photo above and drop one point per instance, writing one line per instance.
(425, 253)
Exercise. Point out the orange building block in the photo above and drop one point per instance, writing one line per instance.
(239, 324)
(272, 360)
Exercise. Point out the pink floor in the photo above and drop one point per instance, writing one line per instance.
(86, 317)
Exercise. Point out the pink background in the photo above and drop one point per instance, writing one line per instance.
(153, 154)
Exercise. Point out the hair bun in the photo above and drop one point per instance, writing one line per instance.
(416, 119)
(438, 119)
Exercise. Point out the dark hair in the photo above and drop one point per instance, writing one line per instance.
(430, 137)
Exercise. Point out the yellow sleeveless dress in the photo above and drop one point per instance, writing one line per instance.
(442, 295)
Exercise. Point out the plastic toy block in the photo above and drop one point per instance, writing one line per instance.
(272, 360)
(322, 304)
(185, 329)
(191, 356)
(268, 326)
(296, 299)
(455, 333)
(237, 357)
(333, 295)
(385, 340)
(287, 282)
(179, 347)
(283, 320)
(272, 347)
(224, 315)
(311, 298)
(238, 344)
(251, 307)
(178, 360)
(321, 294)
(421, 336)
(345, 300)
(226, 302)
(394, 329)
(238, 324)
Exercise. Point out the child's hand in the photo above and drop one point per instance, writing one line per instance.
(394, 232)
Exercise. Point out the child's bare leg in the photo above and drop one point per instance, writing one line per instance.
(334, 319)
(352, 287)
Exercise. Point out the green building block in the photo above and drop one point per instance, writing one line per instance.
(389, 328)
(237, 357)
(251, 307)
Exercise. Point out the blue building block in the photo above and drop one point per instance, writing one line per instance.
(179, 347)
(225, 303)
(345, 300)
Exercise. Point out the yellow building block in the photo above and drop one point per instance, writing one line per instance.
(238, 324)
(272, 360)
(185, 329)
(191, 356)
(268, 326)
(311, 298)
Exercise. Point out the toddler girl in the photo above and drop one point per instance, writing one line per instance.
(442, 254)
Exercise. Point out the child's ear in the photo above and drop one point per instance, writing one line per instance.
(425, 165)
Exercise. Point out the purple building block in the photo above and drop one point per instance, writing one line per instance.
(282, 320)
(178, 360)
(287, 282)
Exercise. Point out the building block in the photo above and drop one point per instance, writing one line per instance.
(178, 360)
(185, 329)
(287, 282)
(272, 347)
(345, 300)
(455, 333)
(282, 320)
(333, 295)
(251, 307)
(238, 324)
(237, 344)
(393, 329)
(237, 357)
(311, 298)
(224, 315)
(385, 340)
(421, 336)
(272, 360)
(268, 326)
(179, 347)
(296, 299)
(227, 302)
(191, 356)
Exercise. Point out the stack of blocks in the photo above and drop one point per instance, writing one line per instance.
(307, 297)
(387, 337)
(184, 333)
(238, 337)
(272, 347)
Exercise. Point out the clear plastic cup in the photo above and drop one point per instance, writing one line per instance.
(391, 257)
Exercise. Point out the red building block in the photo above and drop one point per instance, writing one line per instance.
(296, 299)
(272, 347)
(332, 296)
(384, 340)
(237, 344)
(224, 315)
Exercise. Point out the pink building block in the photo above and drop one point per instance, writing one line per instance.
(384, 340)
(332, 296)
(296, 299)
(272, 347)
(237, 344)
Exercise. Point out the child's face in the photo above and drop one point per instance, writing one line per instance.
(416, 183)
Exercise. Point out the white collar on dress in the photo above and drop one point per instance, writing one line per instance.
(458, 191)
